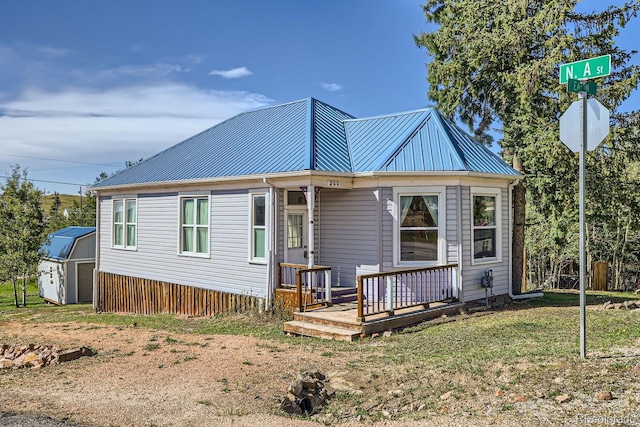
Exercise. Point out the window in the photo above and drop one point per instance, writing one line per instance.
(295, 230)
(485, 225)
(419, 231)
(194, 226)
(258, 228)
(124, 223)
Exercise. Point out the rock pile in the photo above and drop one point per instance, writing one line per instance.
(307, 393)
(38, 356)
(627, 305)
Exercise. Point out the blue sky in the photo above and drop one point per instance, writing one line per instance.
(106, 82)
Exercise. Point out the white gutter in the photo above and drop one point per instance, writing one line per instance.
(213, 180)
(511, 295)
(96, 269)
(272, 259)
(460, 290)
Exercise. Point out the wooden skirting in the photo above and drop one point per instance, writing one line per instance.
(127, 294)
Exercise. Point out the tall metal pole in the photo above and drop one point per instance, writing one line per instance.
(583, 151)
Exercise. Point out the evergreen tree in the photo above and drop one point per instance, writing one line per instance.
(495, 67)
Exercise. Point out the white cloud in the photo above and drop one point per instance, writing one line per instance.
(331, 87)
(53, 51)
(234, 73)
(141, 70)
(136, 47)
(110, 125)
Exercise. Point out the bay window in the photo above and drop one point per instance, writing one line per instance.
(419, 231)
(485, 203)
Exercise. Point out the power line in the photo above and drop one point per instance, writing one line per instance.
(64, 161)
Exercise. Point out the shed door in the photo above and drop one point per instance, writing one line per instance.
(85, 281)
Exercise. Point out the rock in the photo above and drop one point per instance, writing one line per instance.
(290, 407)
(604, 395)
(445, 396)
(387, 334)
(608, 305)
(630, 305)
(77, 353)
(6, 363)
(313, 372)
(386, 413)
(637, 291)
(558, 380)
(296, 388)
(29, 359)
(18, 362)
(517, 398)
(618, 306)
(308, 382)
(397, 392)
(563, 398)
(499, 393)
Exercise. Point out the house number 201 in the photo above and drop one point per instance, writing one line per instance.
(333, 183)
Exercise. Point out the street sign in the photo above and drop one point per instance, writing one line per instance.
(578, 86)
(592, 68)
(597, 125)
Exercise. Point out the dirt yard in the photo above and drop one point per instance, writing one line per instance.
(142, 377)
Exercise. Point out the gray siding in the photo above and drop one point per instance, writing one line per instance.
(451, 203)
(387, 229)
(349, 225)
(472, 274)
(85, 248)
(280, 224)
(157, 258)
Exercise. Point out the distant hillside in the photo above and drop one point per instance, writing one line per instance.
(66, 201)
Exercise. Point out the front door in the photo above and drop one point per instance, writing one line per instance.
(296, 237)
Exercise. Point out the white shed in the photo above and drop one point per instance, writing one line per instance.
(66, 274)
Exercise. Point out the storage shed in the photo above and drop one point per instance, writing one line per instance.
(66, 274)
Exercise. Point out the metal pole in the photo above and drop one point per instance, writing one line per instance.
(583, 151)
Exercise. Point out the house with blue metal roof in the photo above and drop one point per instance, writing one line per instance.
(66, 273)
(304, 192)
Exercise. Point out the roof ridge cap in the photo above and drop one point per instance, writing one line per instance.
(383, 116)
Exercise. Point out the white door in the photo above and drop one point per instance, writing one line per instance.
(296, 237)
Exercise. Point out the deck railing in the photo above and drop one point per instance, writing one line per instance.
(313, 284)
(390, 291)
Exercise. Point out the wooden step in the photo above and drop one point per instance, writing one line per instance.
(321, 331)
(341, 295)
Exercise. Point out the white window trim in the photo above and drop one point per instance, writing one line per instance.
(251, 239)
(497, 193)
(195, 196)
(439, 191)
(124, 200)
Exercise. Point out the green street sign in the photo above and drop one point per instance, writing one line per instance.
(578, 86)
(592, 68)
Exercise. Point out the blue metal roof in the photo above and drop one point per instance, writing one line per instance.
(59, 243)
(420, 140)
(312, 135)
(374, 139)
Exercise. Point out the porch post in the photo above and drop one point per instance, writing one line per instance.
(311, 205)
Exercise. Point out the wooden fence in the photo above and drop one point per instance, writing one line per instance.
(127, 294)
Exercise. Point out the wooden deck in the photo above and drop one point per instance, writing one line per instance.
(340, 321)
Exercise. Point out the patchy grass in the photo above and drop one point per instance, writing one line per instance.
(7, 301)
(529, 350)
